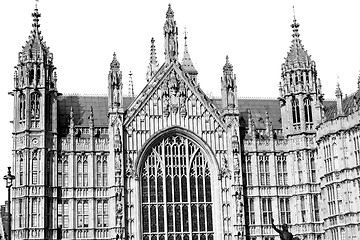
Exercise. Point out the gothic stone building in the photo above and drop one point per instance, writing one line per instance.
(172, 163)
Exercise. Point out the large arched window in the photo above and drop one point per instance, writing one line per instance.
(176, 192)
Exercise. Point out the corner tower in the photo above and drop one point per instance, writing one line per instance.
(35, 138)
(300, 90)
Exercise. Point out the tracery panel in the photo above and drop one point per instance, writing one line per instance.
(176, 192)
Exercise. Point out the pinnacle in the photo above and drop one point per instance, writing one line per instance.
(227, 66)
(114, 65)
(170, 12)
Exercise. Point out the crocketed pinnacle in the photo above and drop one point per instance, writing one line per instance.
(153, 64)
(170, 12)
(227, 67)
(131, 85)
(297, 56)
(114, 65)
(35, 47)
(186, 62)
(338, 92)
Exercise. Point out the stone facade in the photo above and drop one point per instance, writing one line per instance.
(171, 163)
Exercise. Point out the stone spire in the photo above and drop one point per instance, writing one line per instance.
(171, 37)
(153, 65)
(358, 82)
(186, 61)
(131, 85)
(299, 71)
(338, 94)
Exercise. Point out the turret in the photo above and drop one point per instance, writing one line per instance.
(171, 37)
(187, 63)
(229, 88)
(301, 98)
(115, 85)
(35, 123)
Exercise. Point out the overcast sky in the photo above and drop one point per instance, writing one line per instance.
(83, 35)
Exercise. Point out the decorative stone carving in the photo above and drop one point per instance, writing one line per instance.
(174, 95)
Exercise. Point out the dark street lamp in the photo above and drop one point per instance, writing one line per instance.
(9, 180)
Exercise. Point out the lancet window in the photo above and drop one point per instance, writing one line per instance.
(285, 214)
(282, 170)
(22, 107)
(264, 170)
(82, 171)
(295, 112)
(35, 109)
(34, 168)
(176, 192)
(101, 171)
(63, 171)
(248, 171)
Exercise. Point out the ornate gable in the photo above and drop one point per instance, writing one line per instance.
(172, 96)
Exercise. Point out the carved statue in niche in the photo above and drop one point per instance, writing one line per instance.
(117, 138)
(174, 95)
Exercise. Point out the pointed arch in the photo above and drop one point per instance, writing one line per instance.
(145, 150)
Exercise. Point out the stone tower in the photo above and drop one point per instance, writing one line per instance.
(301, 103)
(35, 138)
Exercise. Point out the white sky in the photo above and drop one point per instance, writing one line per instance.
(83, 35)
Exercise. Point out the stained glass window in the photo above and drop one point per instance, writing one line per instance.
(176, 192)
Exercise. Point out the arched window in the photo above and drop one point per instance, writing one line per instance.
(34, 168)
(312, 167)
(101, 171)
(21, 170)
(176, 192)
(264, 170)
(281, 169)
(248, 170)
(22, 107)
(303, 209)
(307, 109)
(316, 209)
(82, 171)
(35, 109)
(295, 111)
(31, 76)
(38, 74)
(82, 214)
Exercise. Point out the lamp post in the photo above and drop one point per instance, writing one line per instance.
(9, 180)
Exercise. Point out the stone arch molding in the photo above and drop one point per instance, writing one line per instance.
(151, 142)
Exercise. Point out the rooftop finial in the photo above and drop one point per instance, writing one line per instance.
(170, 12)
(153, 64)
(227, 66)
(131, 85)
(294, 12)
(295, 26)
(36, 16)
(185, 33)
(114, 65)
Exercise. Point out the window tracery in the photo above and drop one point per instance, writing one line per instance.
(35, 109)
(176, 192)
(82, 171)
(101, 171)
